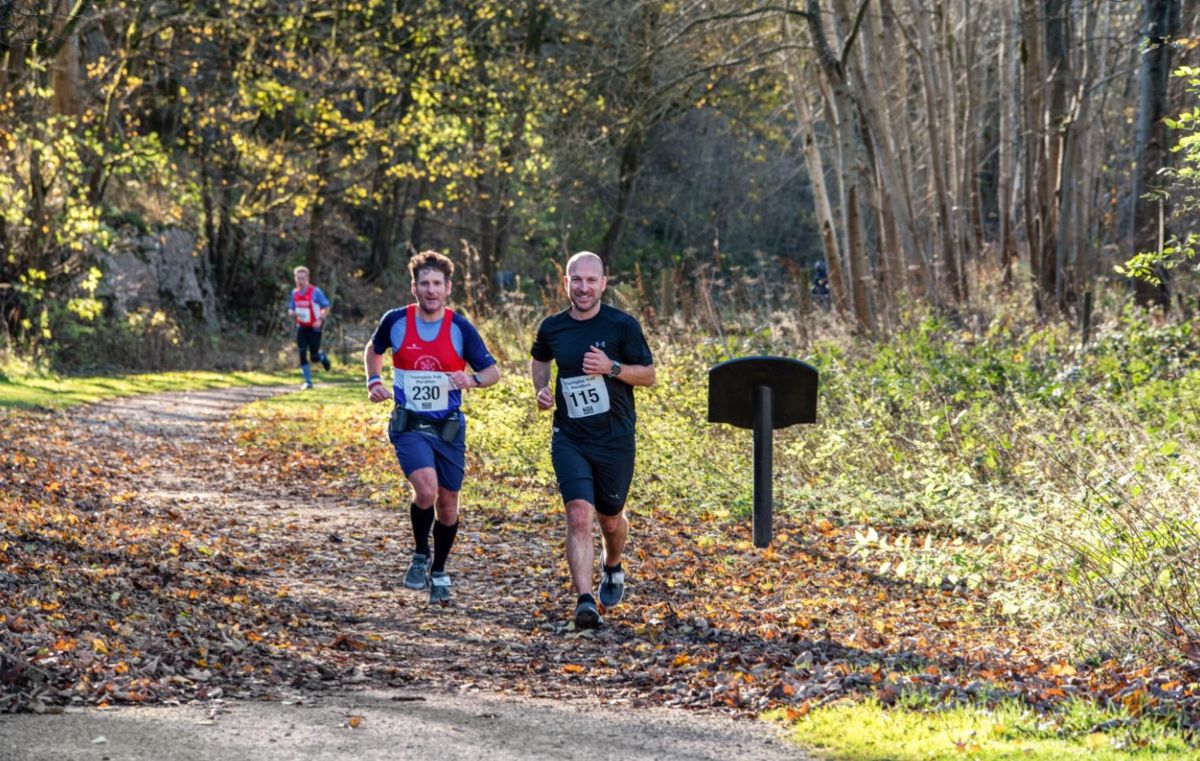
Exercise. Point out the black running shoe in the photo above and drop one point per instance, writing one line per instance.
(587, 615)
(324, 361)
(612, 586)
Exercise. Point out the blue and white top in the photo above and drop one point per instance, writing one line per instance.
(434, 350)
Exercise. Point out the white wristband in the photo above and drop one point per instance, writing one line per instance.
(373, 381)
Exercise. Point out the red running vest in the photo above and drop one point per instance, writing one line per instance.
(437, 355)
(304, 305)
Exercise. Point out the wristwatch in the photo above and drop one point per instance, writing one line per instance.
(478, 381)
(615, 370)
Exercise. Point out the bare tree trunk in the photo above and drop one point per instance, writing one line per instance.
(895, 276)
(862, 121)
(1058, 128)
(955, 146)
(1153, 138)
(6, 47)
(915, 258)
(1038, 212)
(64, 76)
(931, 88)
(977, 67)
(859, 268)
(816, 176)
(1096, 198)
(1077, 181)
(1006, 162)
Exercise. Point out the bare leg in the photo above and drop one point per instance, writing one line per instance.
(425, 487)
(447, 506)
(580, 552)
(615, 529)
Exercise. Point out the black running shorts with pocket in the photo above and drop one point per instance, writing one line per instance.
(599, 475)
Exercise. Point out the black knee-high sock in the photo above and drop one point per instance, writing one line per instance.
(443, 540)
(422, 521)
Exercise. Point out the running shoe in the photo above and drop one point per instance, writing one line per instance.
(587, 615)
(324, 361)
(305, 386)
(417, 574)
(612, 586)
(439, 587)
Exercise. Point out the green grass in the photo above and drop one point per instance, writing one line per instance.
(869, 732)
(55, 392)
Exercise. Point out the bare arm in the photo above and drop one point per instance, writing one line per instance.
(638, 375)
(540, 372)
(596, 362)
(373, 365)
(489, 376)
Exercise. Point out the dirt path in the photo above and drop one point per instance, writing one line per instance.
(460, 681)
(390, 726)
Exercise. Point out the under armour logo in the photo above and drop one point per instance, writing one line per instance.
(598, 344)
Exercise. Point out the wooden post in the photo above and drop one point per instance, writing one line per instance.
(763, 433)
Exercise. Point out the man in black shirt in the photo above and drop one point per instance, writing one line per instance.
(601, 354)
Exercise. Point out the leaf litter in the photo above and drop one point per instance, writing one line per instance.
(137, 567)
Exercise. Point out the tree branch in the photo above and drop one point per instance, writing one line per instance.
(858, 21)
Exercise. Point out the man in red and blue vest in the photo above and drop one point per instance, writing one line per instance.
(432, 348)
(310, 307)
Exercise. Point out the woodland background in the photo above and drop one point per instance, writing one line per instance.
(925, 151)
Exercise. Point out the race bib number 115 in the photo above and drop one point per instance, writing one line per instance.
(586, 395)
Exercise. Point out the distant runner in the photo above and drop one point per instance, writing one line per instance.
(601, 354)
(431, 348)
(310, 307)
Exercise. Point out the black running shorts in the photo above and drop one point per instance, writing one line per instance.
(600, 476)
(308, 341)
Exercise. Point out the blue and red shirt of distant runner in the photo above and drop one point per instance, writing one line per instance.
(302, 303)
(446, 345)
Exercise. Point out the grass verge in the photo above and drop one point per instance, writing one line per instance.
(57, 392)
(868, 731)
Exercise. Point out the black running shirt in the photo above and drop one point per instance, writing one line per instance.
(592, 409)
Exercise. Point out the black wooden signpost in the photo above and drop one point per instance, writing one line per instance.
(762, 393)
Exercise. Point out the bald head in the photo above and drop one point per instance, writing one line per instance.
(585, 283)
(587, 260)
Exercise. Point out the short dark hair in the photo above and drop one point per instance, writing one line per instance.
(430, 260)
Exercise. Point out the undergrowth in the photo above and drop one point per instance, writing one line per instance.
(993, 457)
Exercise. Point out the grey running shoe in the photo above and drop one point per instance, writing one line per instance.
(612, 586)
(587, 616)
(439, 587)
(324, 361)
(417, 574)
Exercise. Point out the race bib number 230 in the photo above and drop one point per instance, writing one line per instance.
(585, 395)
(426, 391)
